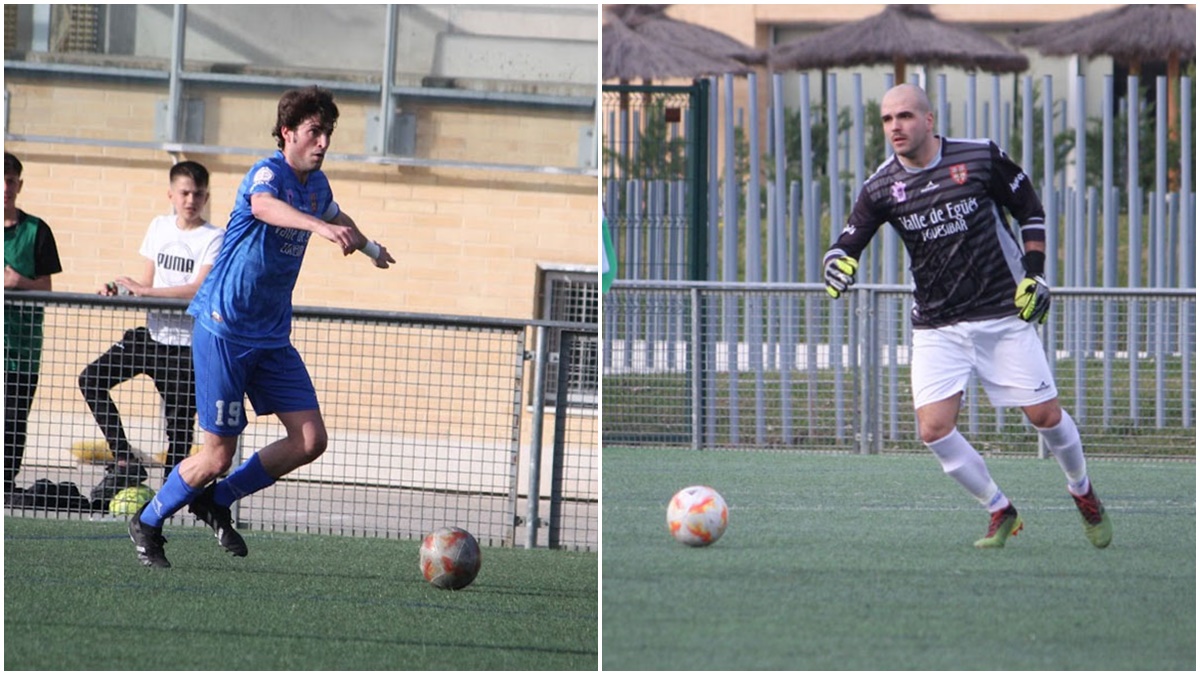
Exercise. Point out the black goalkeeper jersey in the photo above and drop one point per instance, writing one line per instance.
(966, 261)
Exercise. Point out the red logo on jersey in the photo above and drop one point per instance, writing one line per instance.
(959, 173)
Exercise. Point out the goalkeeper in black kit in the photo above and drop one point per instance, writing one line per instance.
(978, 295)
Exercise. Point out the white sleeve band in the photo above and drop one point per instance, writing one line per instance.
(371, 249)
(331, 212)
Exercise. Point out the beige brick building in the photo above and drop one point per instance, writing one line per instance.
(467, 241)
(491, 190)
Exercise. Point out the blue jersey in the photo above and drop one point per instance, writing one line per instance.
(247, 297)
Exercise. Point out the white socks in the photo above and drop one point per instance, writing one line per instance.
(962, 462)
(1064, 442)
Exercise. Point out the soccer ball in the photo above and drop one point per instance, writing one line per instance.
(128, 501)
(450, 558)
(697, 516)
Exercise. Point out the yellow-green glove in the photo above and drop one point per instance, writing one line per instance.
(1033, 299)
(839, 275)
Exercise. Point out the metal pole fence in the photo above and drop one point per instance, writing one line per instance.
(852, 409)
(424, 413)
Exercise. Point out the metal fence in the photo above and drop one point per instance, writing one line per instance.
(424, 415)
(657, 141)
(712, 365)
(403, 62)
(1116, 182)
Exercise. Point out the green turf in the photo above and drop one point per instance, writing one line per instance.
(865, 563)
(76, 599)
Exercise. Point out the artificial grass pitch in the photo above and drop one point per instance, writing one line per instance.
(843, 562)
(75, 598)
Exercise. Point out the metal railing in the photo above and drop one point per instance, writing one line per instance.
(706, 365)
(772, 213)
(424, 412)
(179, 81)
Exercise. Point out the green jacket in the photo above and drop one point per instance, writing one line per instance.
(29, 248)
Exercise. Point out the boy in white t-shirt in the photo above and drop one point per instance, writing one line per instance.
(180, 250)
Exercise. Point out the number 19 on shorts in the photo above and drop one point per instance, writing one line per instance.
(229, 414)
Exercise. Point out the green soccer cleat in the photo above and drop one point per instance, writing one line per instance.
(1005, 523)
(1096, 524)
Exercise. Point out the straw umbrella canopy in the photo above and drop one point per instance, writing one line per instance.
(641, 42)
(1131, 34)
(899, 35)
(628, 55)
(652, 22)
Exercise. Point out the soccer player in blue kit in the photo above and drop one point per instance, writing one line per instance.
(241, 342)
(977, 297)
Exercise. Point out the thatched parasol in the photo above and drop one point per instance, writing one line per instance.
(641, 42)
(900, 34)
(652, 22)
(1130, 34)
(629, 56)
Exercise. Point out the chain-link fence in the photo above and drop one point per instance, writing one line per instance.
(781, 366)
(574, 473)
(424, 415)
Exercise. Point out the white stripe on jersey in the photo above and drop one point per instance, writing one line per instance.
(1012, 250)
(976, 141)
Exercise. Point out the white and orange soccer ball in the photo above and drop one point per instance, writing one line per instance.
(697, 515)
(450, 558)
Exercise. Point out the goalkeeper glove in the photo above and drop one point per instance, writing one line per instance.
(1033, 295)
(839, 275)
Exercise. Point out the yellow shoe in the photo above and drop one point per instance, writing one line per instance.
(160, 458)
(1005, 523)
(1096, 524)
(92, 452)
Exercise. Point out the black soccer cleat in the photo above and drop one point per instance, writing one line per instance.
(148, 541)
(117, 477)
(220, 520)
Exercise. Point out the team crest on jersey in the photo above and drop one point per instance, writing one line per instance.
(959, 173)
(263, 176)
(898, 194)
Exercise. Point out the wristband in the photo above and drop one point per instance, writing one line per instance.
(371, 249)
(1034, 263)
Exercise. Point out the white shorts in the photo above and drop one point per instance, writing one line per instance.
(1005, 354)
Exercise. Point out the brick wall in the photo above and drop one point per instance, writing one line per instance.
(467, 241)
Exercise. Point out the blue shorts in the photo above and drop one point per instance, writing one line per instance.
(274, 379)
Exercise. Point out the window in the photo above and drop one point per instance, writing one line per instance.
(572, 295)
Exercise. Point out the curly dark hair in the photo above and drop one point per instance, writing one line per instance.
(297, 105)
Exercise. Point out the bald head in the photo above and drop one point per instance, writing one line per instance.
(913, 95)
(907, 118)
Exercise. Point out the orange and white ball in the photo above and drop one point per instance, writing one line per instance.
(697, 515)
(450, 558)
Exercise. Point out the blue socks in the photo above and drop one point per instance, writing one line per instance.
(174, 495)
(247, 479)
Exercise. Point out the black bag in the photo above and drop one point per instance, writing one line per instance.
(46, 494)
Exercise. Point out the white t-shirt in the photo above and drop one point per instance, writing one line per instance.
(178, 256)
